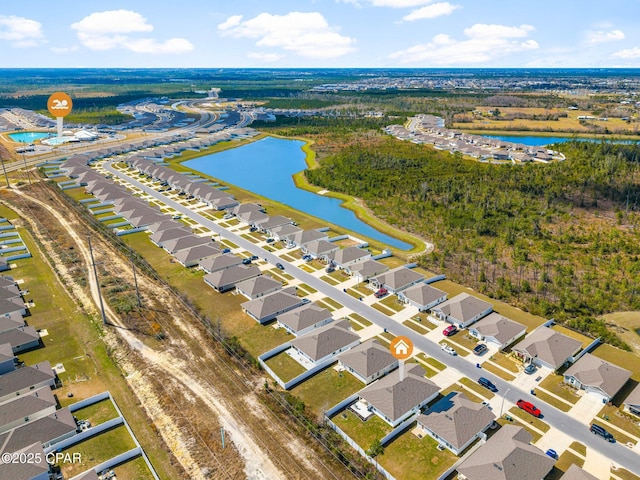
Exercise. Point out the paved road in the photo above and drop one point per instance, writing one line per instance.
(618, 453)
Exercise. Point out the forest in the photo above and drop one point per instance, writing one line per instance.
(559, 240)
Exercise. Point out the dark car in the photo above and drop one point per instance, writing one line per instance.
(226, 250)
(486, 383)
(598, 430)
(450, 330)
(552, 453)
(529, 369)
(280, 266)
(529, 408)
(271, 240)
(253, 257)
(246, 261)
(480, 349)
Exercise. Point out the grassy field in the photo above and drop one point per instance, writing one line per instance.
(506, 361)
(530, 419)
(627, 326)
(135, 469)
(363, 433)
(285, 367)
(98, 412)
(471, 385)
(414, 326)
(573, 334)
(497, 371)
(554, 383)
(552, 401)
(327, 388)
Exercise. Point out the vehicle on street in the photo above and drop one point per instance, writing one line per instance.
(598, 430)
(529, 408)
(253, 257)
(280, 266)
(246, 261)
(450, 330)
(529, 369)
(307, 258)
(381, 293)
(253, 229)
(226, 250)
(480, 349)
(552, 453)
(271, 240)
(449, 349)
(486, 383)
(176, 217)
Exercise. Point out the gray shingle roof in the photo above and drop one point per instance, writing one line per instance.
(26, 405)
(304, 317)
(226, 260)
(507, 455)
(231, 275)
(463, 307)
(41, 430)
(574, 472)
(25, 377)
(321, 247)
(634, 397)
(501, 328)
(6, 353)
(26, 471)
(423, 294)
(270, 304)
(399, 278)
(457, 419)
(169, 234)
(595, 372)
(369, 268)
(368, 358)
(188, 241)
(394, 397)
(197, 253)
(548, 345)
(19, 336)
(325, 340)
(307, 236)
(258, 285)
(349, 254)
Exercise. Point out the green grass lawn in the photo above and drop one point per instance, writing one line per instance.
(324, 305)
(432, 362)
(507, 361)
(464, 340)
(391, 301)
(554, 384)
(135, 469)
(408, 457)
(363, 288)
(530, 419)
(415, 327)
(98, 412)
(339, 276)
(360, 319)
(332, 302)
(470, 384)
(327, 388)
(98, 449)
(259, 339)
(552, 400)
(625, 474)
(620, 437)
(363, 433)
(285, 367)
(307, 288)
(353, 293)
(329, 280)
(460, 351)
(620, 419)
(579, 448)
(497, 371)
(383, 309)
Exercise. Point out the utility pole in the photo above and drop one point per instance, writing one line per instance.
(95, 273)
(135, 277)
(2, 151)
(26, 168)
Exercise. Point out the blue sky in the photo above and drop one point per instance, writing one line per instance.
(320, 33)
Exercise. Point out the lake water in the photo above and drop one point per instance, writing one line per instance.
(27, 137)
(266, 166)
(535, 141)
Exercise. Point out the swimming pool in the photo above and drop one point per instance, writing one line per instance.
(28, 137)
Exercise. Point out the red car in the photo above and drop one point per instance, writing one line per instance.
(381, 293)
(450, 330)
(529, 408)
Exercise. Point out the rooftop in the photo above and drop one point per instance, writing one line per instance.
(304, 317)
(549, 346)
(368, 358)
(463, 307)
(326, 340)
(595, 372)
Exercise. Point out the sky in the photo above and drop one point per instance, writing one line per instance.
(320, 33)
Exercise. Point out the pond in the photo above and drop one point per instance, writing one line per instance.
(266, 166)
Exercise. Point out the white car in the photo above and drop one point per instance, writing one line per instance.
(449, 349)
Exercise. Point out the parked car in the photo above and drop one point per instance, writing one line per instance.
(486, 383)
(253, 257)
(253, 229)
(488, 405)
(381, 293)
(529, 369)
(271, 240)
(329, 269)
(246, 261)
(450, 330)
(480, 349)
(176, 217)
(227, 216)
(450, 350)
(529, 408)
(226, 250)
(307, 258)
(280, 266)
(552, 453)
(598, 430)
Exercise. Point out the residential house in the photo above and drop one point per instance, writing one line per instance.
(275, 222)
(319, 248)
(11, 322)
(496, 329)
(245, 208)
(632, 402)
(7, 358)
(455, 422)
(306, 236)
(597, 377)
(397, 279)
(220, 262)
(574, 472)
(507, 455)
(462, 310)
(164, 225)
(252, 217)
(347, 257)
(367, 269)
(302, 320)
(21, 339)
(23, 380)
(368, 361)
(324, 343)
(188, 241)
(191, 257)
(547, 347)
(226, 279)
(38, 469)
(12, 309)
(258, 286)
(281, 233)
(46, 430)
(422, 296)
(268, 307)
(162, 236)
(25, 408)
(394, 399)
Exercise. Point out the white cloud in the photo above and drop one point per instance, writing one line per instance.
(600, 36)
(399, 3)
(22, 32)
(112, 29)
(483, 44)
(431, 11)
(62, 50)
(265, 57)
(628, 53)
(304, 34)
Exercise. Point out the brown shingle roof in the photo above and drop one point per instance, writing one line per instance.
(325, 340)
(368, 358)
(594, 372)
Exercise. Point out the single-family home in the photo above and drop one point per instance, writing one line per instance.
(462, 310)
(226, 279)
(597, 377)
(496, 329)
(7, 359)
(547, 347)
(368, 269)
(252, 217)
(190, 257)
(324, 343)
(164, 225)
(281, 233)
(246, 207)
(422, 296)
(397, 279)
(220, 262)
(258, 286)
(455, 422)
(306, 236)
(188, 241)
(302, 320)
(395, 399)
(632, 402)
(38, 469)
(25, 379)
(47, 430)
(10, 322)
(347, 257)
(22, 338)
(36, 404)
(9, 308)
(368, 361)
(275, 222)
(162, 236)
(507, 455)
(268, 307)
(319, 248)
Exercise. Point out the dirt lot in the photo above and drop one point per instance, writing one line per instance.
(188, 388)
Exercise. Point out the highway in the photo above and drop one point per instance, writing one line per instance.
(618, 453)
